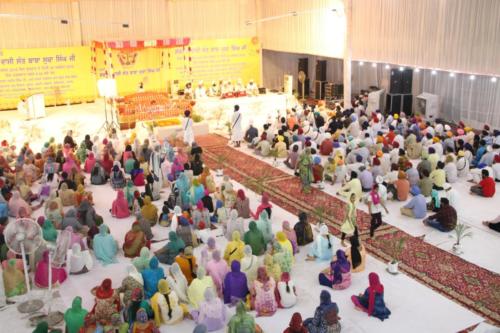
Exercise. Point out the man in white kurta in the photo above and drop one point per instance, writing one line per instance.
(236, 127)
(200, 91)
(155, 162)
(187, 127)
(252, 89)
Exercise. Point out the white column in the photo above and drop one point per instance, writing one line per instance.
(347, 53)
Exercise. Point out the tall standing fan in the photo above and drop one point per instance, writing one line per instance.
(302, 79)
(24, 236)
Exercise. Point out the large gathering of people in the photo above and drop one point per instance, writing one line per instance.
(375, 158)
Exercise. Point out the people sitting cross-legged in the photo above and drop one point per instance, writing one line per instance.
(445, 219)
(338, 276)
(486, 187)
(372, 300)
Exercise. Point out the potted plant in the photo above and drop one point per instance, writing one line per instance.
(320, 213)
(257, 184)
(220, 159)
(396, 248)
(461, 232)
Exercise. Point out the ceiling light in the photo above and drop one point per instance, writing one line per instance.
(361, 63)
(472, 77)
(433, 72)
(417, 70)
(401, 69)
(387, 66)
(452, 74)
(374, 64)
(493, 79)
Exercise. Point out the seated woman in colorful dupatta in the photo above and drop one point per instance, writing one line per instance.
(264, 205)
(201, 214)
(282, 257)
(303, 230)
(291, 235)
(149, 211)
(325, 317)
(304, 170)
(296, 325)
(49, 232)
(135, 240)
(142, 261)
(117, 178)
(143, 324)
(264, 225)
(196, 192)
(338, 276)
(74, 317)
(80, 261)
(136, 303)
(13, 279)
(249, 265)
(67, 196)
(372, 300)
(255, 239)
(151, 276)
(286, 293)
(107, 301)
(242, 321)
(196, 290)
(234, 249)
(235, 285)
(212, 312)
(356, 254)
(132, 281)
(129, 193)
(59, 274)
(89, 163)
(119, 208)
(137, 175)
(165, 304)
(166, 255)
(234, 223)
(187, 262)
(322, 247)
(217, 269)
(264, 299)
(54, 213)
(105, 246)
(178, 282)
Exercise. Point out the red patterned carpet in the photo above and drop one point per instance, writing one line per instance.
(474, 287)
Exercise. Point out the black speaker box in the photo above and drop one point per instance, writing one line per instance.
(320, 70)
(393, 104)
(401, 81)
(407, 104)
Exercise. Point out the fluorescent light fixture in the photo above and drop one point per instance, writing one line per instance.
(387, 66)
(417, 70)
(401, 69)
(361, 63)
(452, 74)
(374, 64)
(493, 79)
(472, 77)
(433, 72)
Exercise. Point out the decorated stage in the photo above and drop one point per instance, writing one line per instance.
(218, 111)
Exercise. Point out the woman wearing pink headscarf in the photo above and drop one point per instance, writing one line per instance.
(264, 205)
(372, 301)
(16, 203)
(59, 275)
(263, 294)
(242, 204)
(89, 163)
(217, 269)
(119, 209)
(69, 164)
(291, 235)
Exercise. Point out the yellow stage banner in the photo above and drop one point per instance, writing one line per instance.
(131, 67)
(214, 60)
(62, 74)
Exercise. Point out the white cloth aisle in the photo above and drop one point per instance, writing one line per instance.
(415, 308)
